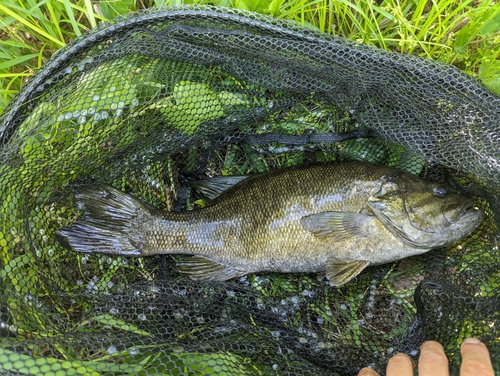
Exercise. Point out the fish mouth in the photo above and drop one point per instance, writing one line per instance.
(468, 210)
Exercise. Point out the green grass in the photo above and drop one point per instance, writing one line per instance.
(461, 33)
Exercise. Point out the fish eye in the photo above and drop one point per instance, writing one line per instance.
(440, 191)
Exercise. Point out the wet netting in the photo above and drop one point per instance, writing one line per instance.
(153, 101)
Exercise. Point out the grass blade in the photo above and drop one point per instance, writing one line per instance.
(55, 19)
(18, 60)
(90, 13)
(31, 26)
(71, 15)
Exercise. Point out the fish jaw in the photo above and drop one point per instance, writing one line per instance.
(469, 221)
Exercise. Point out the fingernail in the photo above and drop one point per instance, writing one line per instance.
(474, 341)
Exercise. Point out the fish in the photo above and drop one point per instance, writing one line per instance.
(331, 218)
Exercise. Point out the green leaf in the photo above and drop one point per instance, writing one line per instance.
(109, 320)
(462, 39)
(492, 25)
(112, 8)
(193, 104)
(493, 83)
(219, 363)
(258, 6)
(28, 365)
(197, 98)
(489, 74)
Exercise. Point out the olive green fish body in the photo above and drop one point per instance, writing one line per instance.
(337, 218)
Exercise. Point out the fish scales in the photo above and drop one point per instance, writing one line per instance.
(337, 217)
(262, 217)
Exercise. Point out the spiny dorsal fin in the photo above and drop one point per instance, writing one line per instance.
(340, 272)
(210, 189)
(339, 225)
(199, 268)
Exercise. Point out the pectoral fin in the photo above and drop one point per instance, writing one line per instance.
(340, 272)
(199, 268)
(339, 225)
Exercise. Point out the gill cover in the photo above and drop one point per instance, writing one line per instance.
(389, 207)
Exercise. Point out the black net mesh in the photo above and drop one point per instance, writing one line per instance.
(148, 102)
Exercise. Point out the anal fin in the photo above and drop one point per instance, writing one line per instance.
(199, 268)
(340, 272)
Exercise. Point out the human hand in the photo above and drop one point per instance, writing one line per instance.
(433, 361)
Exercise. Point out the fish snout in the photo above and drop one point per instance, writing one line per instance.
(458, 210)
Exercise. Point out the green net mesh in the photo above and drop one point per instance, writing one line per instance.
(145, 103)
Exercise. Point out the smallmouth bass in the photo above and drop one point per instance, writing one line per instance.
(336, 218)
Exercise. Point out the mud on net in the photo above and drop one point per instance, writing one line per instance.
(146, 102)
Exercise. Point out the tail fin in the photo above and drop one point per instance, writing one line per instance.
(110, 223)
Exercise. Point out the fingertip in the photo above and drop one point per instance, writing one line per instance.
(471, 340)
(431, 346)
(403, 358)
(475, 358)
(432, 360)
(368, 372)
(400, 365)
(473, 345)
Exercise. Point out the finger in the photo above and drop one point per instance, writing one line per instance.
(432, 360)
(400, 365)
(368, 372)
(475, 359)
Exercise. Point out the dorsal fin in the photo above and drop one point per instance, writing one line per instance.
(210, 189)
